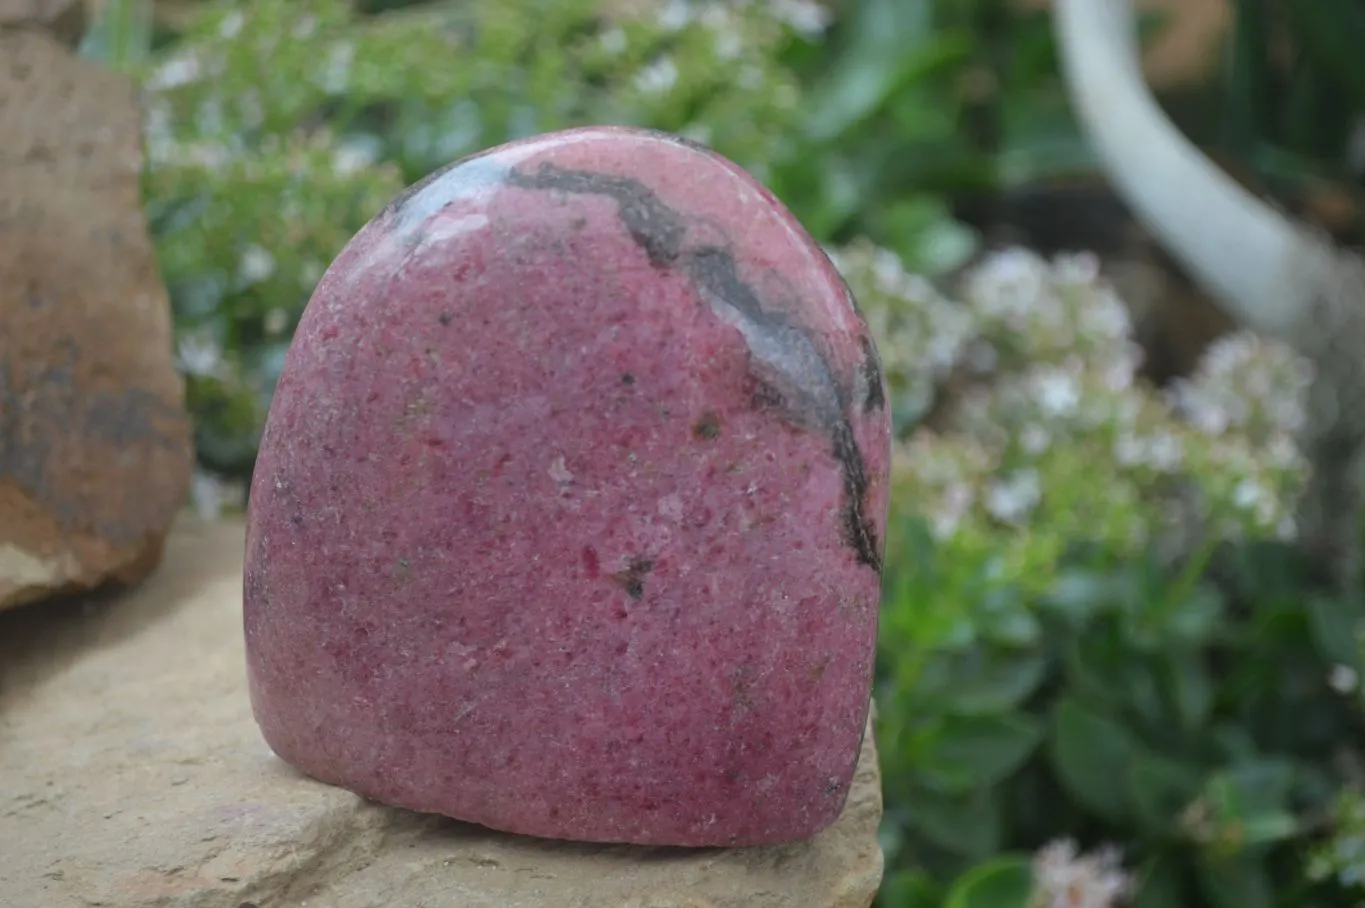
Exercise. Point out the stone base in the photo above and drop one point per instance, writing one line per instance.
(132, 774)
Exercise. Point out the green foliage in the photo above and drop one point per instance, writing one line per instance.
(1059, 662)
(1000, 883)
(1291, 122)
(1342, 856)
(1205, 746)
(277, 129)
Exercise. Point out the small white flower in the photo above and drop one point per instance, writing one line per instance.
(675, 15)
(1010, 500)
(717, 17)
(179, 70)
(1165, 452)
(257, 265)
(1343, 679)
(1008, 285)
(888, 272)
(306, 27)
(1161, 451)
(613, 40)
(1106, 316)
(1077, 268)
(336, 69)
(945, 519)
(805, 17)
(657, 78)
(1034, 439)
(231, 26)
(1064, 878)
(1120, 371)
(729, 45)
(276, 320)
(352, 158)
(199, 355)
(1250, 495)
(1058, 392)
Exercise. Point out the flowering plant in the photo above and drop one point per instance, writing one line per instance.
(1054, 654)
(276, 129)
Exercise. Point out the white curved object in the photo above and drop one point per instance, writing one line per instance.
(1246, 254)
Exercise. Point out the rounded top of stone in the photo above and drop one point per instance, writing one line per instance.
(64, 19)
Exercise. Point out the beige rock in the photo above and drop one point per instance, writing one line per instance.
(65, 19)
(132, 774)
(95, 446)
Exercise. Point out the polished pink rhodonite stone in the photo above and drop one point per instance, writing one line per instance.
(569, 510)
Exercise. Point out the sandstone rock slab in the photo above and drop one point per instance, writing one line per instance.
(63, 19)
(133, 775)
(95, 446)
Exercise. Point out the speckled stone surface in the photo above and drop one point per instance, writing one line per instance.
(568, 514)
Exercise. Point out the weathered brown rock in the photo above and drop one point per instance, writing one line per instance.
(132, 774)
(95, 446)
(64, 19)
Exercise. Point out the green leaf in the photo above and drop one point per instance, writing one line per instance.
(1235, 884)
(120, 35)
(1159, 885)
(1041, 141)
(1253, 786)
(1249, 804)
(983, 681)
(1159, 789)
(1186, 688)
(1090, 752)
(1336, 625)
(1101, 665)
(893, 45)
(967, 826)
(1012, 627)
(891, 834)
(1198, 616)
(1077, 595)
(1317, 122)
(1332, 33)
(909, 889)
(1232, 743)
(921, 229)
(1248, 78)
(1005, 882)
(969, 753)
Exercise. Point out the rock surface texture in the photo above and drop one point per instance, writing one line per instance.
(132, 775)
(95, 447)
(65, 20)
(568, 514)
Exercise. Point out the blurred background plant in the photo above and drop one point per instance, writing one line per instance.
(1103, 677)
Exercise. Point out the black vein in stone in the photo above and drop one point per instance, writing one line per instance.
(786, 356)
(654, 226)
(875, 398)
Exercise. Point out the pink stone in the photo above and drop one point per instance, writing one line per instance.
(568, 514)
